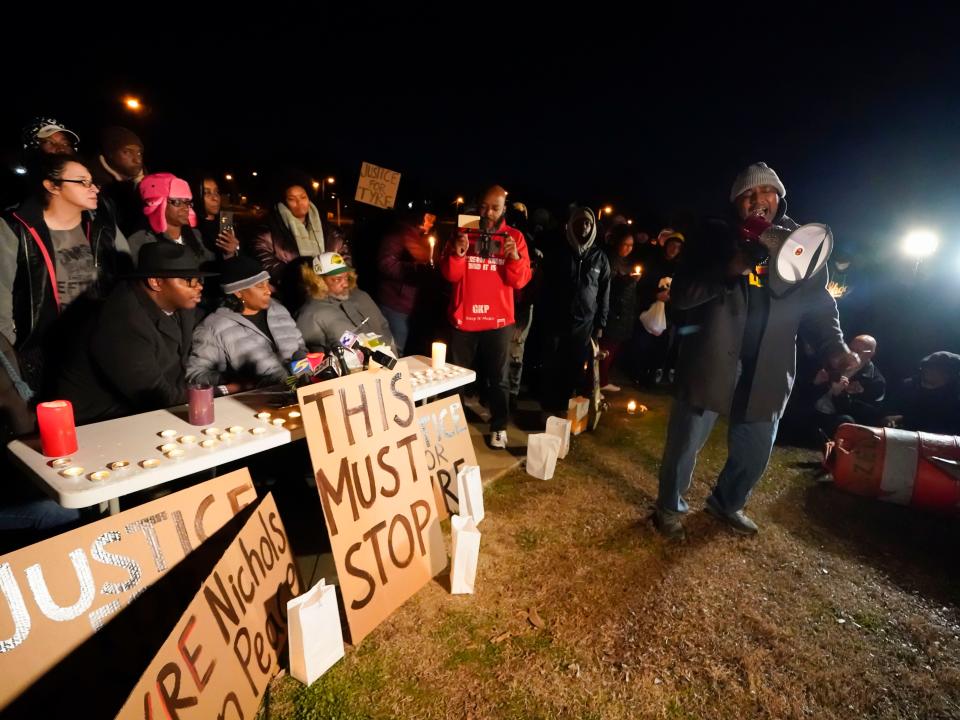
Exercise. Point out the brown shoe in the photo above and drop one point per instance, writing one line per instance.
(669, 525)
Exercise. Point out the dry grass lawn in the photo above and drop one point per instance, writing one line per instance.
(840, 608)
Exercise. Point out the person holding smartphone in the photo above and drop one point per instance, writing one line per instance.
(215, 224)
(481, 302)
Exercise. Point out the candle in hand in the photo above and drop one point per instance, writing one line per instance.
(632, 407)
(58, 435)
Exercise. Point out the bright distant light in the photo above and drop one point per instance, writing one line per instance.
(920, 244)
(410, 205)
(20, 170)
(228, 176)
(316, 185)
(132, 103)
(254, 173)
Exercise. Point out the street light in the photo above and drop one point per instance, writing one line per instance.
(228, 177)
(316, 185)
(323, 186)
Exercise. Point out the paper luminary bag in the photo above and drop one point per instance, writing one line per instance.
(560, 427)
(315, 636)
(464, 554)
(542, 452)
(578, 408)
(654, 318)
(470, 492)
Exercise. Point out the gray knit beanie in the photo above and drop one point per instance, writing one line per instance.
(754, 175)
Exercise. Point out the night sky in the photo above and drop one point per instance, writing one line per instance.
(654, 113)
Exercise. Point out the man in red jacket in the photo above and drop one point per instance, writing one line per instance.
(481, 304)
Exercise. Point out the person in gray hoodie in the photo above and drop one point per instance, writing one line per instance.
(250, 339)
(576, 293)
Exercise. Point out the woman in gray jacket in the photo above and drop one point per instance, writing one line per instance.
(336, 305)
(250, 339)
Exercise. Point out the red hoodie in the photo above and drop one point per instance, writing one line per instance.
(482, 297)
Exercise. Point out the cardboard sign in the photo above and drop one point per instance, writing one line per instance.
(57, 593)
(448, 447)
(371, 473)
(377, 186)
(224, 651)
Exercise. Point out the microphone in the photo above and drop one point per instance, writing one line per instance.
(304, 363)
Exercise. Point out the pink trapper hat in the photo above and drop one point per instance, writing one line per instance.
(155, 189)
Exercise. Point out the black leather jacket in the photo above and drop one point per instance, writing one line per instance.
(34, 304)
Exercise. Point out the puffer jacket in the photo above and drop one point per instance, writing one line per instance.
(228, 346)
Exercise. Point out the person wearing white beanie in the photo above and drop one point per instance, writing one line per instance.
(737, 355)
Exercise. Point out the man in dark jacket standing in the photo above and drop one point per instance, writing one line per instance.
(738, 357)
(576, 302)
(135, 356)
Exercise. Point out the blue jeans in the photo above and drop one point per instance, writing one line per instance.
(749, 445)
(399, 326)
(36, 515)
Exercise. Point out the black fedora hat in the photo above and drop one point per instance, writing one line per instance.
(167, 259)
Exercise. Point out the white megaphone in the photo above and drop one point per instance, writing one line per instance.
(795, 255)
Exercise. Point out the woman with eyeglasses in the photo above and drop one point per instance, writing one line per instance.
(59, 250)
(168, 206)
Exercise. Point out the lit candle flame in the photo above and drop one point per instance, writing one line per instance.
(632, 406)
(836, 290)
(638, 270)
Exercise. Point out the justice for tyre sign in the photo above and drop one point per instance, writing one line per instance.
(370, 468)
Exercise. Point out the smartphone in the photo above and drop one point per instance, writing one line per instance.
(226, 221)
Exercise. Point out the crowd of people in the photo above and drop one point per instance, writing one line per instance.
(120, 286)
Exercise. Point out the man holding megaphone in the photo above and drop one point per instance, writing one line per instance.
(749, 288)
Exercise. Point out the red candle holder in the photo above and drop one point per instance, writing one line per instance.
(58, 434)
(200, 404)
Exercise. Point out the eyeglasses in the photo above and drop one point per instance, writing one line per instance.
(86, 182)
(180, 202)
(193, 282)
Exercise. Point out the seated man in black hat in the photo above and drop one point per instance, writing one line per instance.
(136, 351)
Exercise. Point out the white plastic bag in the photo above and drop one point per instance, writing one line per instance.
(560, 427)
(465, 552)
(542, 453)
(315, 636)
(654, 318)
(470, 492)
